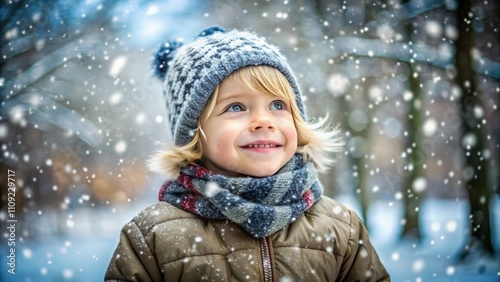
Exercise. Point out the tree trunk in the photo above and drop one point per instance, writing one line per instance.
(476, 165)
(411, 198)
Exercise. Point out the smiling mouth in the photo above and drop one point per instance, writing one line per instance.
(261, 146)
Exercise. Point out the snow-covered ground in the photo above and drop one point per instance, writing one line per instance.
(444, 226)
(83, 256)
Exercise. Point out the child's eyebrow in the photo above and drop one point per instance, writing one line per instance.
(234, 96)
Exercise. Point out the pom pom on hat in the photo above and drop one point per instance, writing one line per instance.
(210, 31)
(166, 52)
(163, 57)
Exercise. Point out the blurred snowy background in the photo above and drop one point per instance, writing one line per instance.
(413, 84)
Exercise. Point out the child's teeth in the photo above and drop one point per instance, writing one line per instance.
(262, 146)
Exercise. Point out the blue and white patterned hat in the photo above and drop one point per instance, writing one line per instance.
(191, 72)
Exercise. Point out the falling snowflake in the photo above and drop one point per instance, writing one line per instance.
(430, 127)
(419, 185)
(337, 84)
(451, 226)
(212, 189)
(67, 273)
(115, 98)
(120, 147)
(117, 66)
(418, 265)
(433, 28)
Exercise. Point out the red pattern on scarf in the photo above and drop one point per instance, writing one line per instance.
(189, 203)
(187, 182)
(308, 197)
(163, 189)
(201, 171)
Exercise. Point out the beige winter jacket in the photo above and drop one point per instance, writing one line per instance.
(164, 243)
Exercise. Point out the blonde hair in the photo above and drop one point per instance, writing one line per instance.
(317, 140)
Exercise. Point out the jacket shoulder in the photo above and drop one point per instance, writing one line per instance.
(326, 227)
(160, 213)
(331, 208)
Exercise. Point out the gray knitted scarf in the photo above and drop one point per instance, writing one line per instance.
(261, 206)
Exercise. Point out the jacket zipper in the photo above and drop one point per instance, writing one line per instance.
(266, 260)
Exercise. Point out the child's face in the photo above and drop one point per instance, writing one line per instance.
(248, 133)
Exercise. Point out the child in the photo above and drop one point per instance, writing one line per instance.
(244, 202)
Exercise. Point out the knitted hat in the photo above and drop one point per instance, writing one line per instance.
(191, 72)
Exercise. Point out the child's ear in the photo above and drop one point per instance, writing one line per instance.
(163, 57)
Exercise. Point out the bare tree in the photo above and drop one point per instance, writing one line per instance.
(473, 135)
(413, 140)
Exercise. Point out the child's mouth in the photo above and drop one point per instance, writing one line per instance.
(261, 146)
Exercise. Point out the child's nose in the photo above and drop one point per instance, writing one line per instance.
(262, 122)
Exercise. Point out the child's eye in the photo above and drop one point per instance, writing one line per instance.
(277, 105)
(235, 108)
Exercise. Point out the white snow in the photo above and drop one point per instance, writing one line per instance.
(117, 65)
(430, 127)
(337, 84)
(469, 140)
(433, 28)
(152, 10)
(115, 98)
(120, 147)
(419, 185)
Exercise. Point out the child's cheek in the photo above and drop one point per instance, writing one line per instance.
(288, 126)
